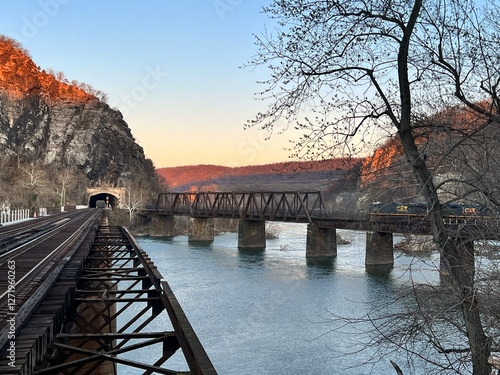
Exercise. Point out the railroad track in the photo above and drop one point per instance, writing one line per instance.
(15, 234)
(71, 290)
(32, 255)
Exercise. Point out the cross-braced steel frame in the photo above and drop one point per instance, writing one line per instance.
(123, 313)
(264, 205)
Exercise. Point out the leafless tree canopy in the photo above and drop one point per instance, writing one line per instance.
(340, 61)
(423, 72)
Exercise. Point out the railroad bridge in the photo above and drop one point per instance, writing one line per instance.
(81, 297)
(253, 209)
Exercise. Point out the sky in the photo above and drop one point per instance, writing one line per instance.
(172, 67)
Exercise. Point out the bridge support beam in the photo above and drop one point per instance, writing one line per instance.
(163, 225)
(252, 234)
(201, 229)
(379, 249)
(320, 242)
(87, 317)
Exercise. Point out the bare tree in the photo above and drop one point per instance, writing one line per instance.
(361, 68)
(64, 180)
(33, 181)
(133, 200)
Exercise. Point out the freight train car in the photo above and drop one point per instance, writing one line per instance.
(451, 210)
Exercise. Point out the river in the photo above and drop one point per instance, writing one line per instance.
(273, 312)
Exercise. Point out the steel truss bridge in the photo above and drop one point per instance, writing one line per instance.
(309, 207)
(267, 205)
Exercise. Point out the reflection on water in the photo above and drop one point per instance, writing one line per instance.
(251, 258)
(270, 312)
(382, 270)
(320, 267)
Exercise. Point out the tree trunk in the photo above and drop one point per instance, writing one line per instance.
(462, 275)
(458, 258)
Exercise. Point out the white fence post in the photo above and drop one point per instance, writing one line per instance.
(7, 216)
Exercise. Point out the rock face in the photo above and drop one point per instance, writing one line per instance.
(48, 121)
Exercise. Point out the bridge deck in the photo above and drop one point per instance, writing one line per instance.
(102, 310)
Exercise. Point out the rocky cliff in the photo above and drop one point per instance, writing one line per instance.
(47, 121)
(460, 149)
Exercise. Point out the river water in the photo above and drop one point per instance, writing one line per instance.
(273, 312)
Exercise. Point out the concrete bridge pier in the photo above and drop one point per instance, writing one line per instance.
(163, 225)
(201, 229)
(320, 242)
(379, 249)
(252, 234)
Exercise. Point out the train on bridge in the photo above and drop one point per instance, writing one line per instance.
(420, 209)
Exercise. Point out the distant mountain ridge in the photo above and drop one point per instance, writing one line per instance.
(204, 177)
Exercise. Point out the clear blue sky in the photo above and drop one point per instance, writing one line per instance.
(171, 66)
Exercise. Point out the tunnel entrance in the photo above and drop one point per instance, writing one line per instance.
(109, 199)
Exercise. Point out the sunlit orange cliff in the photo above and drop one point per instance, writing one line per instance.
(19, 77)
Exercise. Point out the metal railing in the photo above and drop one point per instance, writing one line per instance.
(9, 216)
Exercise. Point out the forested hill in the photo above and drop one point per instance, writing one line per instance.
(308, 175)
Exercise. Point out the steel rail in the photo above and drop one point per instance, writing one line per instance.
(28, 292)
(32, 241)
(116, 277)
(22, 232)
(309, 207)
(16, 226)
(50, 256)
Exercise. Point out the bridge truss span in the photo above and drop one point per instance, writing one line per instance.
(300, 206)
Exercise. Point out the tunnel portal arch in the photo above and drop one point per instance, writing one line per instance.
(111, 196)
(109, 199)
